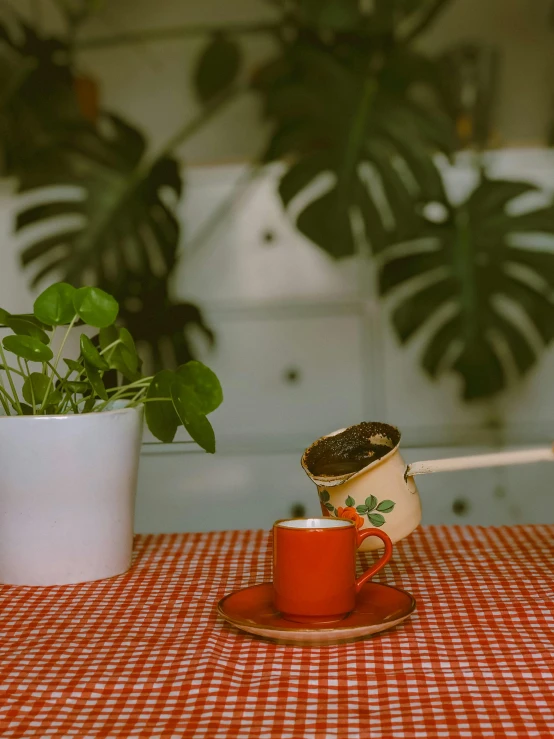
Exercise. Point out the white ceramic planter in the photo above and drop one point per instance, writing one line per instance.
(67, 496)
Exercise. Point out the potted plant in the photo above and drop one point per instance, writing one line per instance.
(69, 443)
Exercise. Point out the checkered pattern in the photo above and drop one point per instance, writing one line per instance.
(145, 655)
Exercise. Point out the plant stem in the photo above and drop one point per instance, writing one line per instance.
(120, 392)
(176, 32)
(68, 397)
(141, 401)
(137, 397)
(69, 373)
(57, 360)
(111, 346)
(10, 380)
(33, 401)
(54, 370)
(13, 369)
(2, 399)
(191, 127)
(122, 388)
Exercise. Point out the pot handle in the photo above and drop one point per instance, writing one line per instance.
(498, 459)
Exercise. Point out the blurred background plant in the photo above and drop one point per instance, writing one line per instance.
(361, 122)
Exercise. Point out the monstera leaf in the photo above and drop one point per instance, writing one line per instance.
(494, 291)
(349, 111)
(163, 325)
(403, 17)
(217, 68)
(113, 227)
(37, 93)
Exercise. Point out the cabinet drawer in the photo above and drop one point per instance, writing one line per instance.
(415, 403)
(254, 253)
(288, 375)
(499, 496)
(201, 492)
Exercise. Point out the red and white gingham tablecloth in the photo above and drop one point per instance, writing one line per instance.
(145, 654)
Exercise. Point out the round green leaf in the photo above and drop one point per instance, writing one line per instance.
(123, 357)
(4, 316)
(205, 384)
(76, 386)
(128, 351)
(92, 355)
(54, 397)
(35, 386)
(27, 347)
(362, 509)
(329, 506)
(386, 506)
(121, 362)
(324, 495)
(34, 320)
(74, 366)
(350, 502)
(95, 306)
(189, 409)
(161, 418)
(95, 380)
(24, 327)
(88, 407)
(108, 336)
(55, 305)
(127, 340)
(376, 519)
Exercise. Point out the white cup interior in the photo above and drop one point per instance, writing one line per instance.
(315, 523)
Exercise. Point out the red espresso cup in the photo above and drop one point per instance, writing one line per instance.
(314, 567)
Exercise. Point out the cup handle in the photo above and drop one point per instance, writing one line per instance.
(368, 574)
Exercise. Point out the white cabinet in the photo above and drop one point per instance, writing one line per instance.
(198, 492)
(201, 492)
(288, 376)
(498, 496)
(304, 347)
(420, 407)
(250, 252)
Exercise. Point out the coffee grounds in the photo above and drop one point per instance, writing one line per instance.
(351, 450)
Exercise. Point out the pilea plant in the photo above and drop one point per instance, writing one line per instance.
(37, 378)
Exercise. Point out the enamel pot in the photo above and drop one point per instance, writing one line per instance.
(383, 492)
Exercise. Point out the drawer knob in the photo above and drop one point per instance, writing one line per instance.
(460, 506)
(269, 237)
(292, 375)
(297, 510)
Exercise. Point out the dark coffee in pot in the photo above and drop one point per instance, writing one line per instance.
(351, 450)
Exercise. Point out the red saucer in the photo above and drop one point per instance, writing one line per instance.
(378, 607)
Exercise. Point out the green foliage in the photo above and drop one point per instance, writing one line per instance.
(127, 235)
(476, 262)
(347, 117)
(55, 306)
(27, 347)
(217, 68)
(184, 397)
(357, 117)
